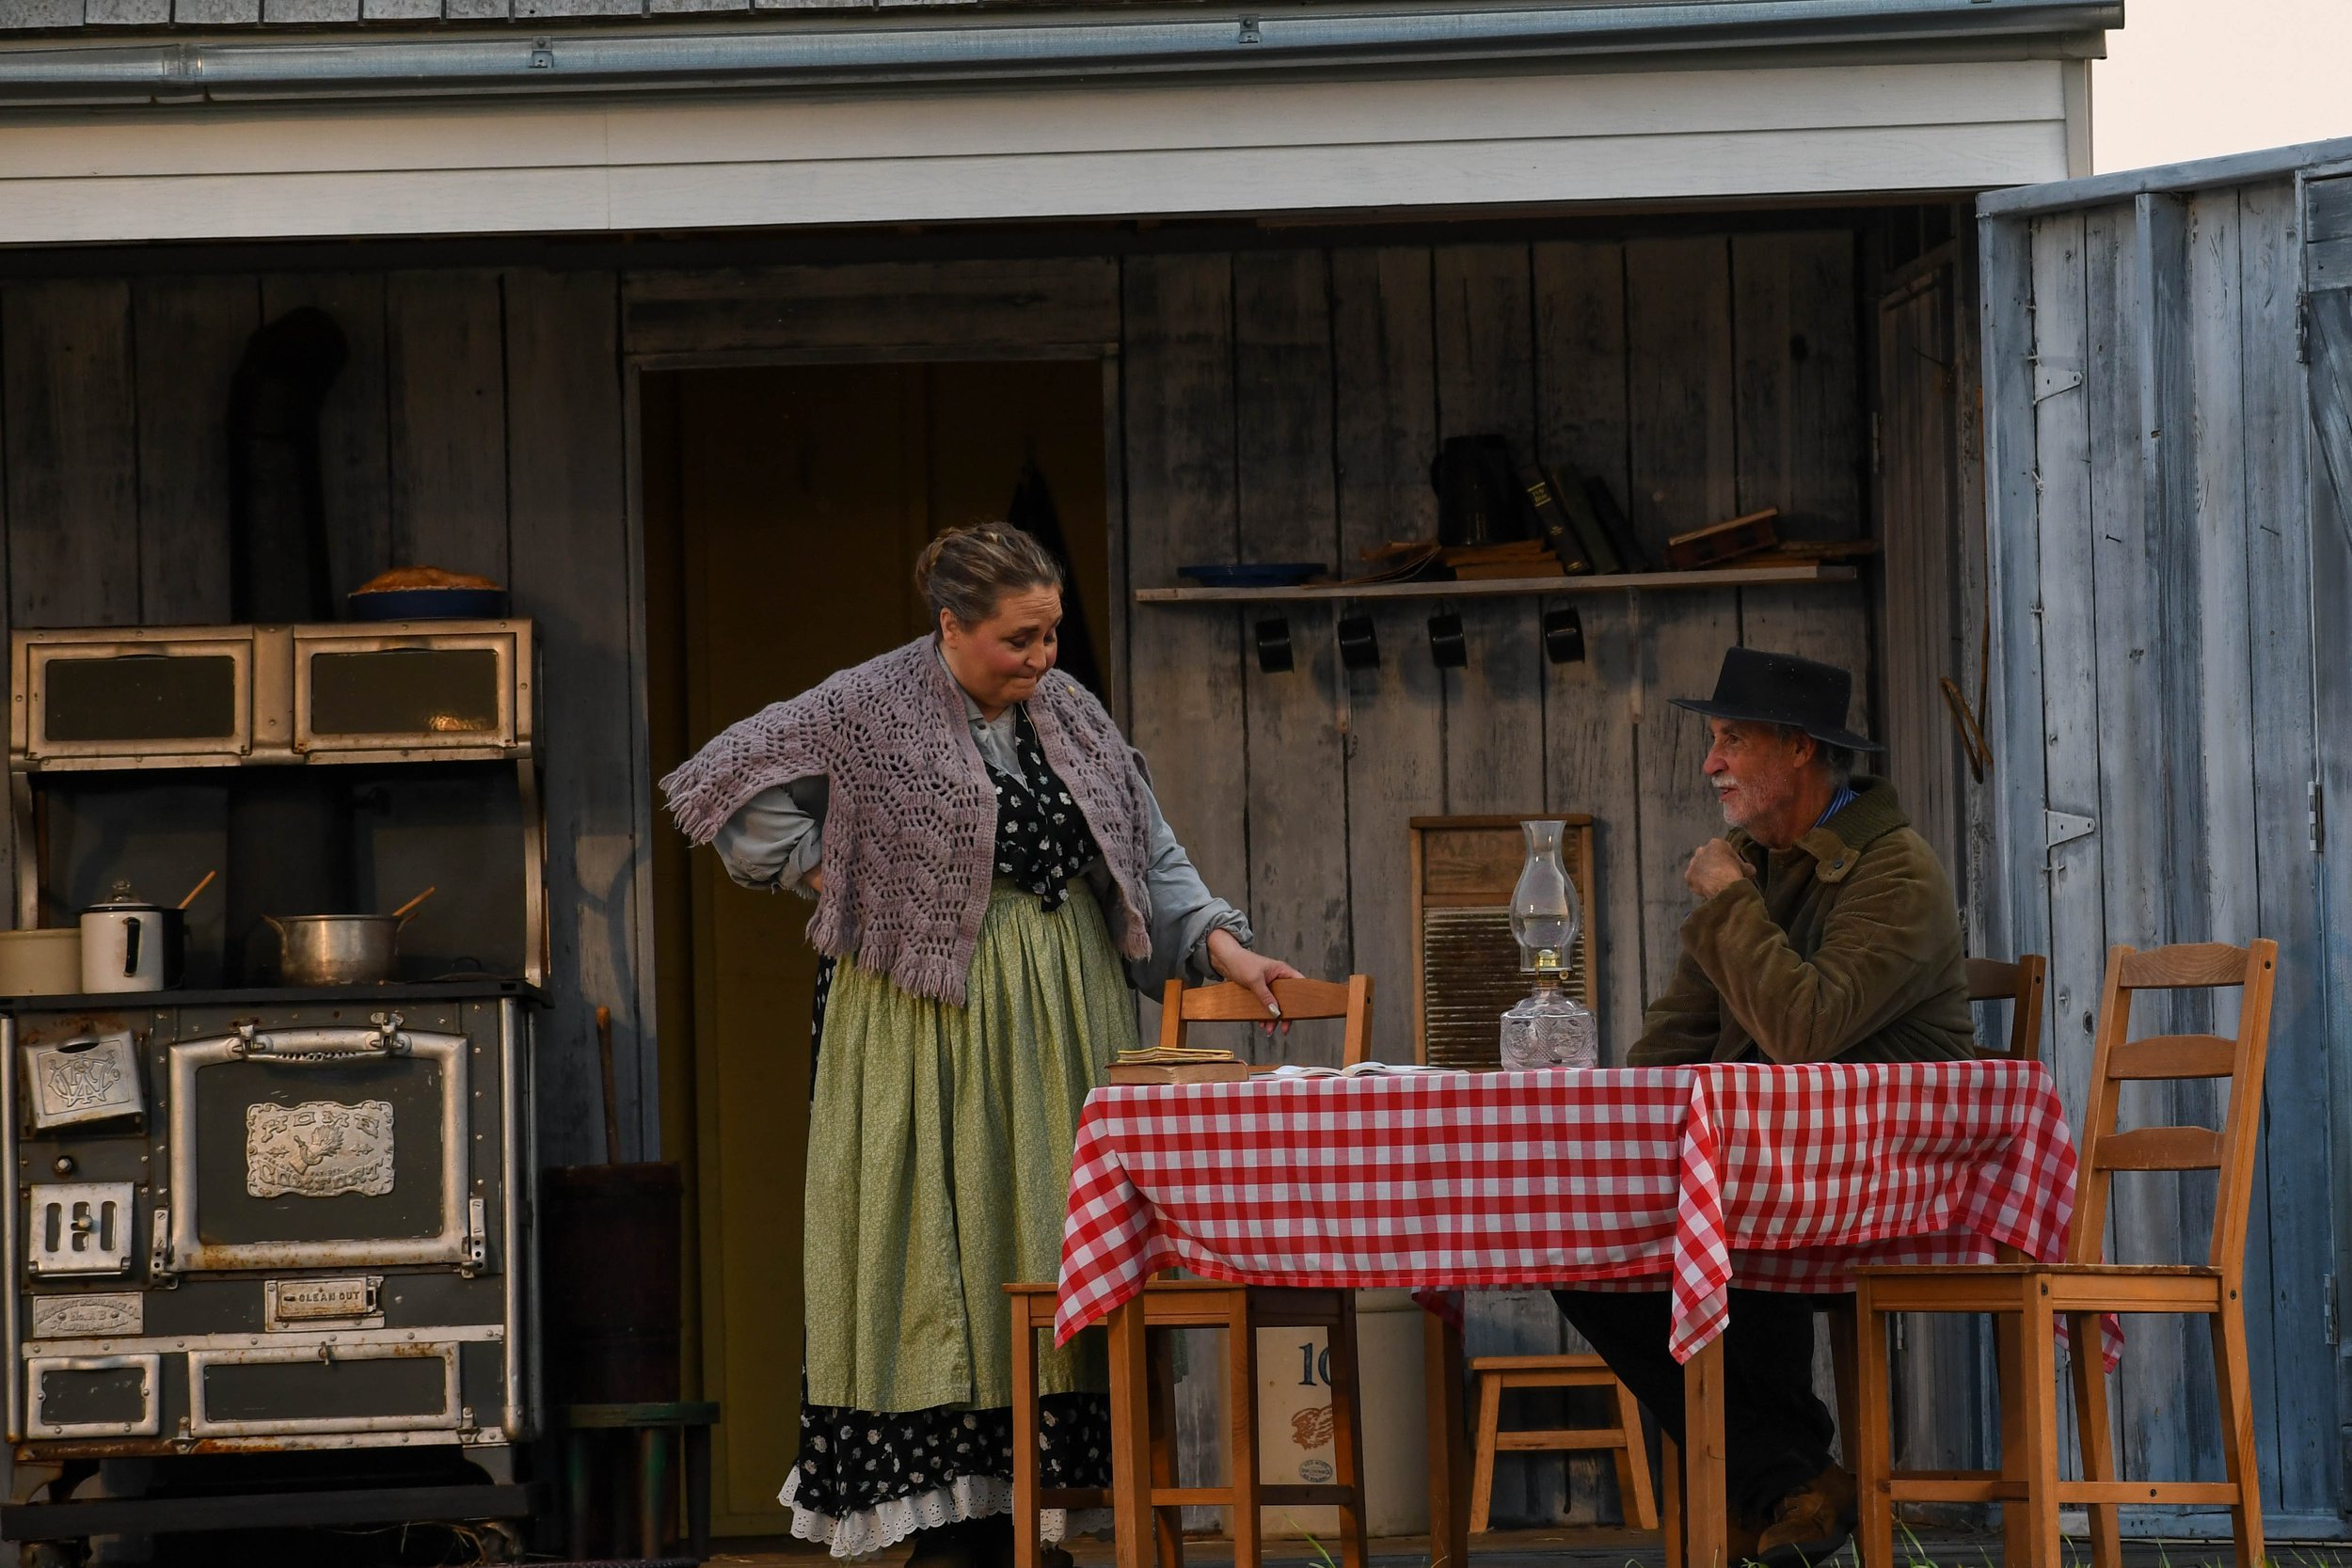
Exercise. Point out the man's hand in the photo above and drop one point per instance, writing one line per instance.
(1716, 866)
(1254, 970)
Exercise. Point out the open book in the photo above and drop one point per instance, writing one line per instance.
(1361, 1069)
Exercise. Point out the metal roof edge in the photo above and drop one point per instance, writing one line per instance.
(981, 47)
(2237, 168)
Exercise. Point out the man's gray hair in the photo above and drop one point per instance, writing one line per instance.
(1836, 761)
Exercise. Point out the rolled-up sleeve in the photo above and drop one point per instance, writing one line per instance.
(775, 838)
(1184, 914)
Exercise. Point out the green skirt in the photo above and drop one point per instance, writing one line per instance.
(939, 1154)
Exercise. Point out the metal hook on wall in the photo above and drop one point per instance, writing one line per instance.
(1447, 647)
(1274, 646)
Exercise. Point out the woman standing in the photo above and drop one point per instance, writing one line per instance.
(992, 873)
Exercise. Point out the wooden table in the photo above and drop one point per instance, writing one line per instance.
(1693, 1178)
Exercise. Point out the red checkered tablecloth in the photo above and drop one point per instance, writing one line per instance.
(1701, 1178)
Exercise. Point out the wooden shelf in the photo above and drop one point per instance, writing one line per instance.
(1727, 577)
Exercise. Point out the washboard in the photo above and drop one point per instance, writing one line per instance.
(1465, 966)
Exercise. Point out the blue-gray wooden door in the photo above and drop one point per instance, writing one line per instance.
(2170, 575)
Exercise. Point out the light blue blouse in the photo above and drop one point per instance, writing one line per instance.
(775, 840)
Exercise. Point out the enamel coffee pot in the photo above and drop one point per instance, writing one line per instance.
(130, 945)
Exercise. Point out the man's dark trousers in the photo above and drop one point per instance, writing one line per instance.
(1777, 1434)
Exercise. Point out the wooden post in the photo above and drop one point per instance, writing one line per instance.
(1131, 1437)
(1707, 1509)
(1449, 1453)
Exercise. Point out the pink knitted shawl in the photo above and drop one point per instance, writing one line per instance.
(910, 832)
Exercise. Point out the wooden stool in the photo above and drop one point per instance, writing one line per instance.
(659, 1429)
(1241, 1312)
(1497, 1375)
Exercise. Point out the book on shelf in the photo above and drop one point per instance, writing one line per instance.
(1554, 524)
(1576, 501)
(1616, 527)
(1725, 541)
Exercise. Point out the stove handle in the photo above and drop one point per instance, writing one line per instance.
(385, 1038)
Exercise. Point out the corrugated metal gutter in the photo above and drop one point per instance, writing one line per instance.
(981, 46)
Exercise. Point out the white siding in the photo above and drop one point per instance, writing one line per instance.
(1063, 152)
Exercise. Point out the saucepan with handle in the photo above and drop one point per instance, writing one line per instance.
(341, 949)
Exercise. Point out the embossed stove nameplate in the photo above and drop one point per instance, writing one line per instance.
(318, 1148)
(89, 1317)
(92, 1079)
(321, 1150)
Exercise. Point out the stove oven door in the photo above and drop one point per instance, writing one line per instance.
(318, 1148)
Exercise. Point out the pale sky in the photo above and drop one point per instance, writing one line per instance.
(2196, 78)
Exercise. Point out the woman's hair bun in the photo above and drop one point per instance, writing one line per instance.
(968, 571)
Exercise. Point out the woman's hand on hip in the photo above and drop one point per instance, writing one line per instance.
(1237, 963)
(815, 881)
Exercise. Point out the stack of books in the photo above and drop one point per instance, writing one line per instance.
(1182, 1064)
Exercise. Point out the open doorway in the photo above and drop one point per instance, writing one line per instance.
(784, 507)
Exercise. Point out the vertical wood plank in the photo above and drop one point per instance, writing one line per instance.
(1798, 383)
(443, 343)
(1921, 579)
(1483, 322)
(572, 570)
(2127, 588)
(1385, 433)
(353, 434)
(2303, 1458)
(67, 402)
(1920, 527)
(191, 334)
(188, 336)
(2213, 701)
(1980, 871)
(2073, 890)
(1581, 418)
(1682, 470)
(1799, 437)
(1282, 384)
(1184, 667)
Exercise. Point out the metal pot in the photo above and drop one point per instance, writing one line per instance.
(128, 945)
(336, 949)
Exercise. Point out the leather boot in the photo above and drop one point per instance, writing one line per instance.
(1810, 1523)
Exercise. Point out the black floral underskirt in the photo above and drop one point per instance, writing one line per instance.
(855, 1460)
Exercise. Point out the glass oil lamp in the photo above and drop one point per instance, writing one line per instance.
(1548, 1028)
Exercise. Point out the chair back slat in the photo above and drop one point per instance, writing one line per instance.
(2021, 983)
(2229, 1151)
(2183, 966)
(2176, 1056)
(2161, 1149)
(1230, 1001)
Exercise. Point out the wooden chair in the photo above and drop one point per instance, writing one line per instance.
(2023, 982)
(2029, 1298)
(1240, 1311)
(1497, 1375)
(1182, 1006)
(1989, 980)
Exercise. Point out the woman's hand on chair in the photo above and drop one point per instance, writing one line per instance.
(1256, 970)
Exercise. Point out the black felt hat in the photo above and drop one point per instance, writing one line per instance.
(1781, 688)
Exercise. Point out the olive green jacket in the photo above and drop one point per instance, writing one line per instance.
(1844, 947)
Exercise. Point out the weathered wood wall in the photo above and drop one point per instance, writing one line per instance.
(478, 426)
(2153, 570)
(1272, 404)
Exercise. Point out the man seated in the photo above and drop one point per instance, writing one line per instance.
(1825, 930)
